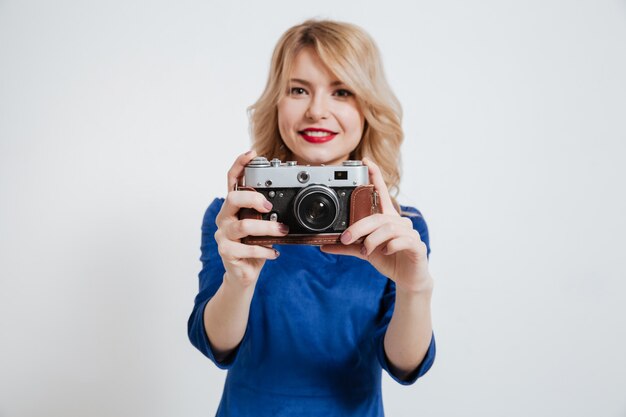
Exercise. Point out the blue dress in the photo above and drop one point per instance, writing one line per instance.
(313, 345)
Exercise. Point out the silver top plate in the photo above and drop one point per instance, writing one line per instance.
(259, 175)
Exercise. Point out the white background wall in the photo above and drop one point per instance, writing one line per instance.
(119, 119)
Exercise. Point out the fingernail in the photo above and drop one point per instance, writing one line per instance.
(267, 205)
(363, 250)
(283, 228)
(276, 253)
(249, 152)
(346, 237)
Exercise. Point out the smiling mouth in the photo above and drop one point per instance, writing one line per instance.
(317, 135)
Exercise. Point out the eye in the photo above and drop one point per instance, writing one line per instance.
(342, 92)
(297, 91)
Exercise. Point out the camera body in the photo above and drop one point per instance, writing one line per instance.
(317, 202)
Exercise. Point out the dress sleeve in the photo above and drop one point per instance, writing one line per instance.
(388, 304)
(210, 279)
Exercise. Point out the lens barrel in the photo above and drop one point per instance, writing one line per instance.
(316, 207)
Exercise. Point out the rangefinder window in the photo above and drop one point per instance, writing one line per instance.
(341, 175)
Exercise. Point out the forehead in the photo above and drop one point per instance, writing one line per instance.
(308, 65)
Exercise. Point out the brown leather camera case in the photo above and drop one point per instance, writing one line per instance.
(363, 202)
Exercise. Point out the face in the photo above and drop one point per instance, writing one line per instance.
(318, 118)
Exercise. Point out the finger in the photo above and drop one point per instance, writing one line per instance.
(338, 249)
(231, 251)
(380, 236)
(253, 227)
(235, 172)
(235, 200)
(368, 224)
(376, 178)
(410, 243)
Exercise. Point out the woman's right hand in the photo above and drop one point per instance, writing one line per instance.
(243, 262)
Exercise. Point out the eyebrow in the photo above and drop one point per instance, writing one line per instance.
(308, 84)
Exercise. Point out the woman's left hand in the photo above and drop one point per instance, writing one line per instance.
(391, 244)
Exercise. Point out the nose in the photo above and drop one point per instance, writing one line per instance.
(318, 108)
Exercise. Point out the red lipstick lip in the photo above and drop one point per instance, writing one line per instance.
(317, 129)
(317, 139)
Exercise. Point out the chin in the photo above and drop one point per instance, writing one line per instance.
(322, 159)
(316, 155)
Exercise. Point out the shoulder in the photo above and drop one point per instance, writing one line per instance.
(413, 214)
(211, 213)
(419, 223)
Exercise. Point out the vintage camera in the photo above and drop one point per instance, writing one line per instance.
(317, 202)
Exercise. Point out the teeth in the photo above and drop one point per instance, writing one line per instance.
(316, 134)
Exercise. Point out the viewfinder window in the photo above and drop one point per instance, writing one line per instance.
(341, 175)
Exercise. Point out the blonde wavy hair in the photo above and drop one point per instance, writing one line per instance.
(352, 56)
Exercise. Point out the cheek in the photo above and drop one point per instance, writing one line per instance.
(287, 115)
(354, 121)
(283, 119)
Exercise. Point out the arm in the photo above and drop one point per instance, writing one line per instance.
(394, 246)
(226, 317)
(230, 271)
(410, 330)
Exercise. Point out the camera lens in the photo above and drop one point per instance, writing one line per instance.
(316, 207)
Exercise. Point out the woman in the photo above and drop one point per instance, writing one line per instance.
(306, 330)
